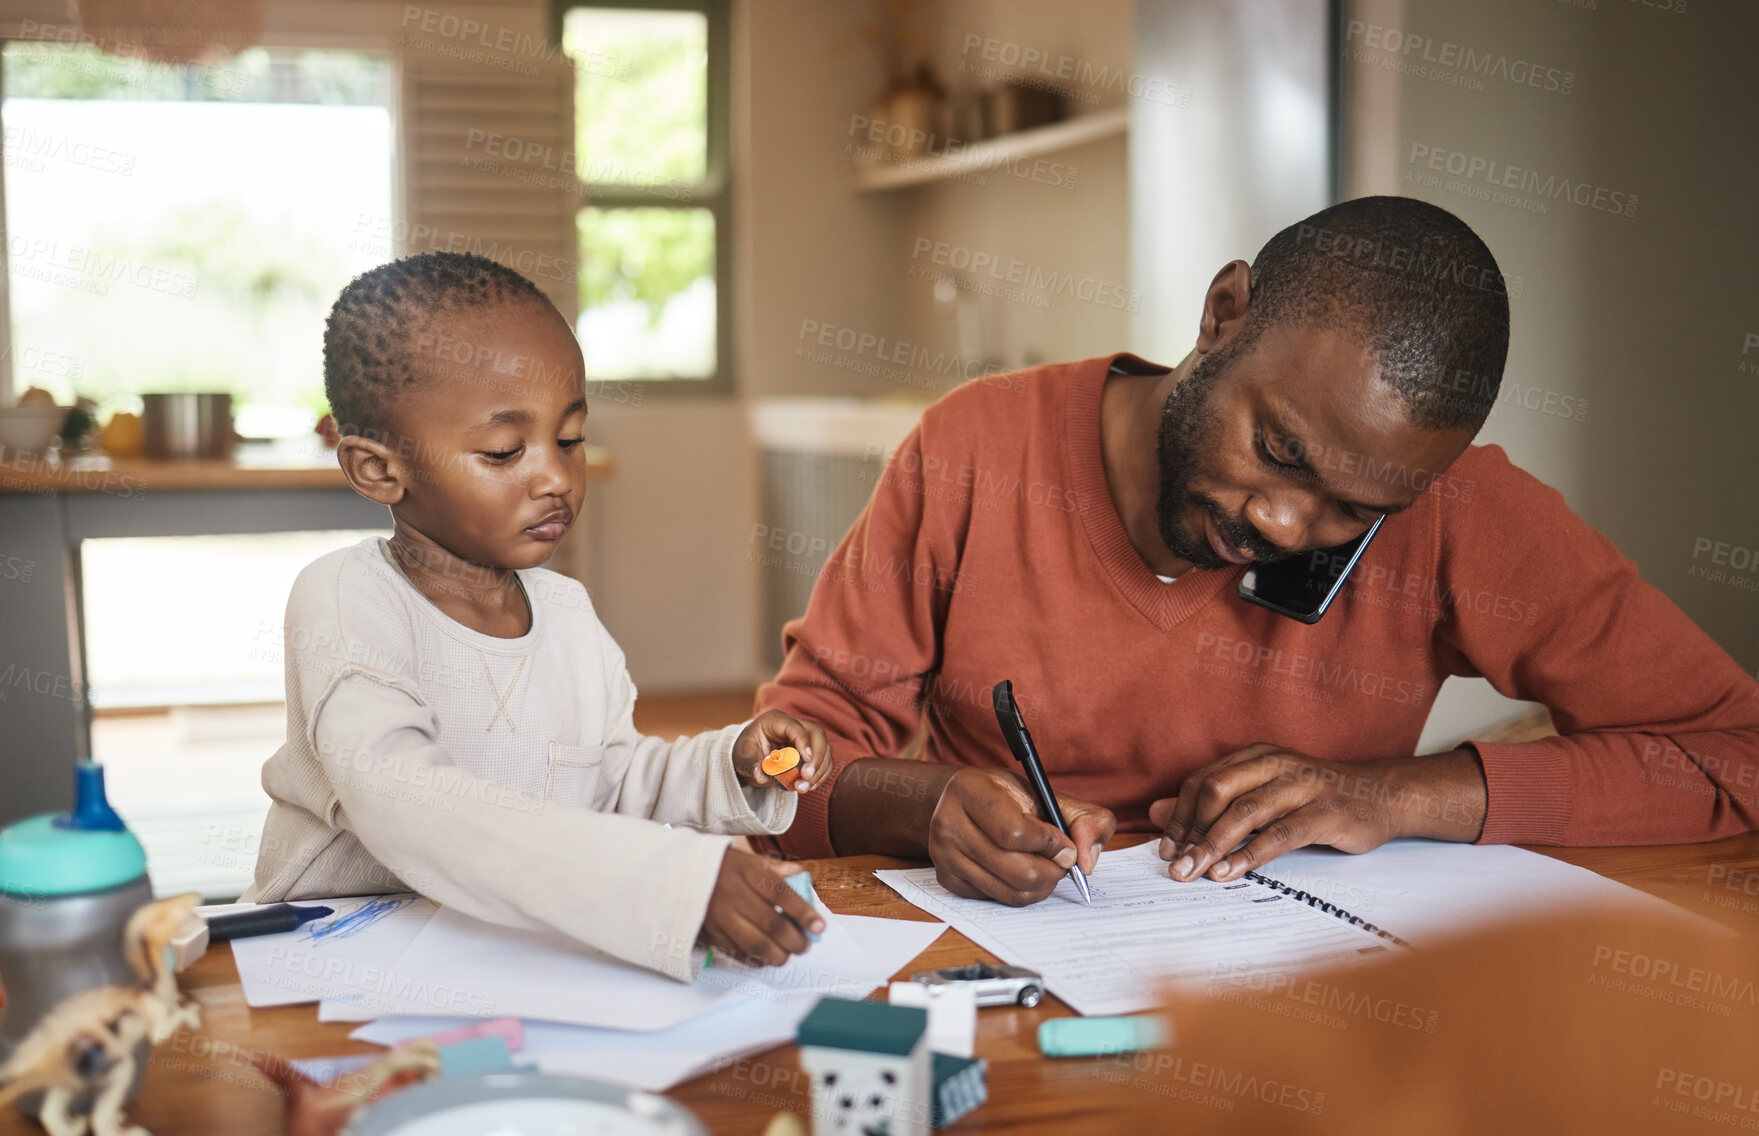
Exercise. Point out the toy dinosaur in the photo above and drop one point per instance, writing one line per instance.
(84, 1049)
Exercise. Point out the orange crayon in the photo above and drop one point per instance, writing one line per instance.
(784, 766)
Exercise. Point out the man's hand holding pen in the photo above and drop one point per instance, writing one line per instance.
(987, 841)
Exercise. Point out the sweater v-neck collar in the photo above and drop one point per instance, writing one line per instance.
(1162, 604)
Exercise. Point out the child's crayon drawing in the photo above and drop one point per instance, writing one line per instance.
(356, 921)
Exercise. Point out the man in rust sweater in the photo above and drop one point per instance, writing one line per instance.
(1081, 529)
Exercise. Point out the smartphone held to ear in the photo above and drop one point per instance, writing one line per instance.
(1303, 586)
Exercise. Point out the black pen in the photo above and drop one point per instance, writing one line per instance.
(1014, 729)
(271, 919)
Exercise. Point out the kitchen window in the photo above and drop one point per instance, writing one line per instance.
(650, 140)
(184, 228)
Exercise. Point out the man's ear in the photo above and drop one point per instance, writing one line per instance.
(371, 468)
(1224, 305)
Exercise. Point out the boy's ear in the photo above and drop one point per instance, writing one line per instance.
(371, 468)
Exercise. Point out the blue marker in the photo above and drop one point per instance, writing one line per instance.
(273, 919)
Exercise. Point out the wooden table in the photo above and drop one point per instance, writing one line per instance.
(200, 1083)
(48, 507)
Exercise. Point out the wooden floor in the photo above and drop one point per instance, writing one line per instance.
(669, 715)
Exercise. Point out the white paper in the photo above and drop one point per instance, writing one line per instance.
(458, 966)
(346, 953)
(397, 1030)
(464, 967)
(1425, 890)
(545, 1115)
(658, 1059)
(654, 1061)
(836, 965)
(893, 944)
(864, 954)
(1148, 928)
(952, 1014)
(1143, 930)
(326, 1070)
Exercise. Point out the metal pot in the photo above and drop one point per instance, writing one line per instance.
(1013, 107)
(187, 426)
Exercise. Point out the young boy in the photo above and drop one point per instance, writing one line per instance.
(458, 720)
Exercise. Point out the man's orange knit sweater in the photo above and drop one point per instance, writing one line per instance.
(991, 549)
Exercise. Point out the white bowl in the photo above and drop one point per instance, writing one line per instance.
(30, 429)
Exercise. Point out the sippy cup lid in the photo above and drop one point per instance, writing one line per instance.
(89, 849)
(91, 806)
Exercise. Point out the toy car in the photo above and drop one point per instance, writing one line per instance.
(992, 985)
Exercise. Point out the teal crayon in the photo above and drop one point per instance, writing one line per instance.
(1099, 1037)
(801, 882)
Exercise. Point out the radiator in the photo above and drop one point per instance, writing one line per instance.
(819, 461)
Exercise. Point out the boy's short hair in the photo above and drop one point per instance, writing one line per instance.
(373, 323)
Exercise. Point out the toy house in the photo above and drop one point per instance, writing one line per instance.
(869, 1063)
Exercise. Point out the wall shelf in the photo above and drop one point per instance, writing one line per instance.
(980, 157)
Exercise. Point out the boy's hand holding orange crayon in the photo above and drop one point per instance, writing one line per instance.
(780, 748)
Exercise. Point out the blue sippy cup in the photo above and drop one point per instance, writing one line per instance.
(68, 885)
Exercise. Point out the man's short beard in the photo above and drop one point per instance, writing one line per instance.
(1188, 428)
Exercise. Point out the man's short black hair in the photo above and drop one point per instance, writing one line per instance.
(1414, 281)
(367, 339)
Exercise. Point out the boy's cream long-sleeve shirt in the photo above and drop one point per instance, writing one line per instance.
(502, 777)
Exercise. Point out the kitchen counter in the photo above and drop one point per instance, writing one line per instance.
(253, 466)
(49, 507)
